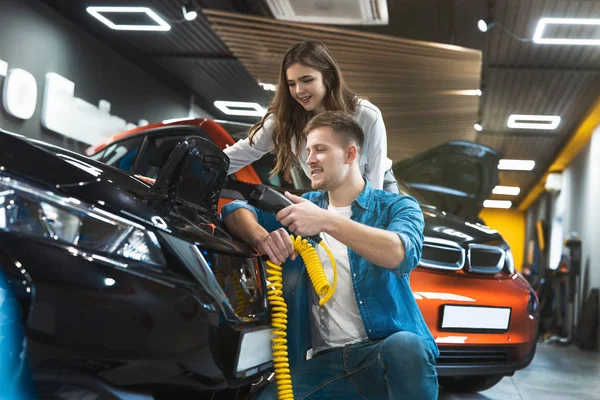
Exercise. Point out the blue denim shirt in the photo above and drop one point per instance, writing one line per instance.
(384, 297)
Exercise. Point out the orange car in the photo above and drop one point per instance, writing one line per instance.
(482, 313)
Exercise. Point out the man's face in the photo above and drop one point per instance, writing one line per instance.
(327, 159)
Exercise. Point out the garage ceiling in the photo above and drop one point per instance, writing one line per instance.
(417, 85)
(217, 62)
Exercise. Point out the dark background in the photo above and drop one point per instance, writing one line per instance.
(38, 39)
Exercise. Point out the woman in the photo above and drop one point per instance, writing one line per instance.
(314, 84)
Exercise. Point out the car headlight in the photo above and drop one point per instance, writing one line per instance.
(509, 262)
(41, 213)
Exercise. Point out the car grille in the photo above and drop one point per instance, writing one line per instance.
(442, 254)
(486, 259)
(473, 356)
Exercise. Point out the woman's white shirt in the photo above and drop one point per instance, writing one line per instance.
(373, 160)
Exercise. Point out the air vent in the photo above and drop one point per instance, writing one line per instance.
(442, 254)
(332, 12)
(486, 259)
(470, 356)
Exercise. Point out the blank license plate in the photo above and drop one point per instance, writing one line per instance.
(470, 317)
(255, 349)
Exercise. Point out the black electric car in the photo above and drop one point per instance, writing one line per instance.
(111, 288)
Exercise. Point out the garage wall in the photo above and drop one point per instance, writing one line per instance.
(511, 225)
(577, 206)
(35, 38)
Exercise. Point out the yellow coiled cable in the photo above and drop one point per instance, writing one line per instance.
(279, 307)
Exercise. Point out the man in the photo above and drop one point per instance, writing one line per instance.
(370, 340)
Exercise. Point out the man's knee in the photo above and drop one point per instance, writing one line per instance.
(405, 347)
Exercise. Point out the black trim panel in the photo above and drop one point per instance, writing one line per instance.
(474, 370)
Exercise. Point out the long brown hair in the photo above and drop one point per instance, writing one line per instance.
(290, 117)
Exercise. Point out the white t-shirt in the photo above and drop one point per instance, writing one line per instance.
(337, 323)
(373, 159)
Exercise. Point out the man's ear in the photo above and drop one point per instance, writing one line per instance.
(351, 153)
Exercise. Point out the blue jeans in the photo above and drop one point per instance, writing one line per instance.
(398, 367)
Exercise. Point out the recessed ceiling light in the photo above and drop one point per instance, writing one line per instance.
(516, 165)
(547, 122)
(478, 127)
(497, 204)
(161, 25)
(539, 31)
(507, 190)
(240, 108)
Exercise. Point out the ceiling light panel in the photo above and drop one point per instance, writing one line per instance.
(240, 108)
(545, 22)
(506, 190)
(347, 12)
(497, 204)
(516, 165)
(521, 121)
(98, 13)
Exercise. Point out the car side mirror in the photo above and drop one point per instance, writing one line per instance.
(194, 172)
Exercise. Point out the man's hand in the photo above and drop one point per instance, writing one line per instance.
(303, 218)
(278, 246)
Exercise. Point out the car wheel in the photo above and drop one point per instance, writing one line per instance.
(469, 384)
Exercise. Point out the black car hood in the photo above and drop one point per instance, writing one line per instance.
(455, 177)
(110, 189)
(441, 225)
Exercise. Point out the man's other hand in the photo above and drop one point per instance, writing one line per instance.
(278, 246)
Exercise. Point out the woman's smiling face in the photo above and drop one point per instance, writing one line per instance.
(307, 87)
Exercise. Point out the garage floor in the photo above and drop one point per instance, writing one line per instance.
(556, 373)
